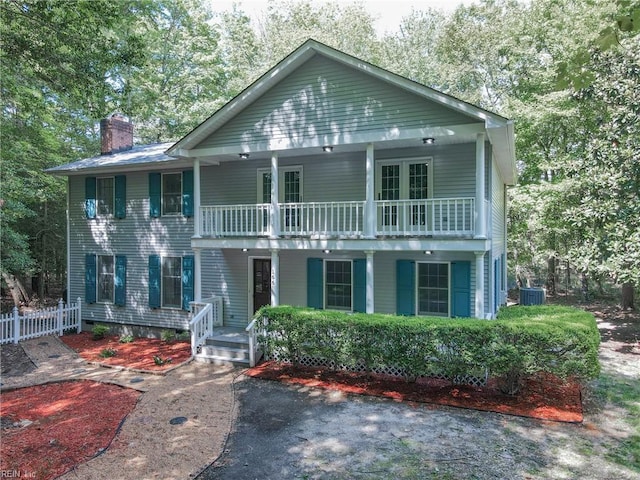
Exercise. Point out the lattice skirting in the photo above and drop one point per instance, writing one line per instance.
(477, 379)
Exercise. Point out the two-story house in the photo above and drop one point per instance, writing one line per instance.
(329, 183)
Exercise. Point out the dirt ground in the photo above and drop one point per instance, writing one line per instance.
(296, 432)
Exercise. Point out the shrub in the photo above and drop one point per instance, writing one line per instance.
(168, 336)
(107, 353)
(99, 332)
(524, 341)
(126, 338)
(160, 361)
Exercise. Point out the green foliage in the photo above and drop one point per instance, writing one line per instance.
(126, 339)
(99, 331)
(524, 340)
(108, 353)
(161, 361)
(168, 336)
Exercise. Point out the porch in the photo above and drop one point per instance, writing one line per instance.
(441, 217)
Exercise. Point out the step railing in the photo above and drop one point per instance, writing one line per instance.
(49, 321)
(206, 314)
(256, 327)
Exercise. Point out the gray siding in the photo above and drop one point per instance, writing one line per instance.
(227, 274)
(324, 99)
(137, 236)
(339, 177)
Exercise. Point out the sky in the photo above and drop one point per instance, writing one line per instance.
(388, 12)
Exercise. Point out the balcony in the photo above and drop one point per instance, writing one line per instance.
(413, 218)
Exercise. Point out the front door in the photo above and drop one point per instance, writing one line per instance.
(261, 283)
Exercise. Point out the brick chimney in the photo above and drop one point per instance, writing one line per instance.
(116, 133)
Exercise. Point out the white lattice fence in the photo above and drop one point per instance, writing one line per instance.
(477, 379)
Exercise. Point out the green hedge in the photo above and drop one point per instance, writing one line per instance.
(523, 341)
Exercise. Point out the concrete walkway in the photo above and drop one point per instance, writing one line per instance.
(147, 446)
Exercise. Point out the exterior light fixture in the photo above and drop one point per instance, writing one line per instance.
(327, 148)
(327, 251)
(428, 252)
(243, 155)
(428, 140)
(245, 249)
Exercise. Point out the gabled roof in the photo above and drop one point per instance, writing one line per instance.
(499, 128)
(137, 157)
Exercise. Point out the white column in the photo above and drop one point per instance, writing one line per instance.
(479, 312)
(196, 199)
(275, 278)
(481, 227)
(275, 206)
(370, 290)
(197, 274)
(370, 204)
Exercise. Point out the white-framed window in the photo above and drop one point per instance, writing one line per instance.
(105, 196)
(433, 288)
(172, 193)
(171, 282)
(338, 284)
(105, 279)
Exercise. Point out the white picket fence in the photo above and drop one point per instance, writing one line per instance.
(50, 321)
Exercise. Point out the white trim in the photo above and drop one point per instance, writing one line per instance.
(363, 138)
(417, 286)
(377, 245)
(250, 259)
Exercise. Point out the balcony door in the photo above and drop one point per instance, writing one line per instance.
(397, 183)
(289, 192)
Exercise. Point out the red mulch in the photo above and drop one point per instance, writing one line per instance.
(137, 354)
(72, 422)
(543, 397)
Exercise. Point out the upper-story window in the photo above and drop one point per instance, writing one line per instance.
(171, 194)
(104, 195)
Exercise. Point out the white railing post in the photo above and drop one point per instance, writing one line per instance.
(16, 325)
(59, 317)
(79, 314)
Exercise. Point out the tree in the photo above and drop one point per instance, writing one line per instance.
(56, 65)
(182, 80)
(604, 185)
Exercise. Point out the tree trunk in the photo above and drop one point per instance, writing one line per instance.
(584, 287)
(627, 296)
(18, 293)
(551, 276)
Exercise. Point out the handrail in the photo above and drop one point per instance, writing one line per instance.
(201, 325)
(253, 341)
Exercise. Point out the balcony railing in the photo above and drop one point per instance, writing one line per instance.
(442, 216)
(343, 219)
